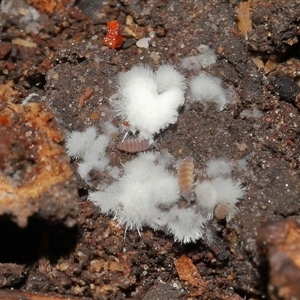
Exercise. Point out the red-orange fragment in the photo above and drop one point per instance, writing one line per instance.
(4, 120)
(113, 38)
(188, 271)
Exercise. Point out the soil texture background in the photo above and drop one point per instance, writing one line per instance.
(55, 242)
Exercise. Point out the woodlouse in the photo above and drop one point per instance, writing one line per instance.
(185, 175)
(134, 145)
(221, 211)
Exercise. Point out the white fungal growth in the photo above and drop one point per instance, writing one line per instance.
(251, 113)
(227, 190)
(166, 78)
(29, 98)
(148, 100)
(147, 194)
(205, 58)
(109, 128)
(78, 142)
(219, 167)
(90, 148)
(218, 191)
(185, 224)
(207, 88)
(207, 196)
(134, 198)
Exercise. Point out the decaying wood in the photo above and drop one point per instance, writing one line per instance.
(188, 271)
(18, 295)
(35, 177)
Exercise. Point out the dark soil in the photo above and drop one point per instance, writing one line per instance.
(74, 74)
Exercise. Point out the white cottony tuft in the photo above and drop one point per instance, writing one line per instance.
(78, 142)
(228, 191)
(185, 224)
(89, 147)
(207, 88)
(218, 191)
(148, 100)
(134, 198)
(219, 167)
(166, 78)
(207, 196)
(205, 58)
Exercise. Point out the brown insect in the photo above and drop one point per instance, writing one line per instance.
(126, 123)
(221, 211)
(185, 175)
(134, 145)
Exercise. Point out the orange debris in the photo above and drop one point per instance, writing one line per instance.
(113, 38)
(188, 271)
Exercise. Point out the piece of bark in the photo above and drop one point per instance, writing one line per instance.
(18, 295)
(11, 274)
(35, 177)
(188, 271)
(280, 242)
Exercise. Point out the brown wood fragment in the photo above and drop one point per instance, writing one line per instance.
(11, 274)
(18, 295)
(133, 29)
(48, 6)
(24, 43)
(280, 243)
(7, 92)
(244, 18)
(5, 48)
(188, 271)
(86, 95)
(34, 166)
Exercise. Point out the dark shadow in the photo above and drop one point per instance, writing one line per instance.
(26, 245)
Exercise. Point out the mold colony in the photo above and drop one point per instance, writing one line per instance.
(146, 191)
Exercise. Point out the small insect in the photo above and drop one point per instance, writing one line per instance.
(113, 39)
(221, 211)
(133, 145)
(126, 123)
(185, 175)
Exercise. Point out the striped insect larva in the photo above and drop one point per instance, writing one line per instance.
(185, 175)
(134, 145)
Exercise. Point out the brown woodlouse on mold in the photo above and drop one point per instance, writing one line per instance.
(185, 175)
(134, 145)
